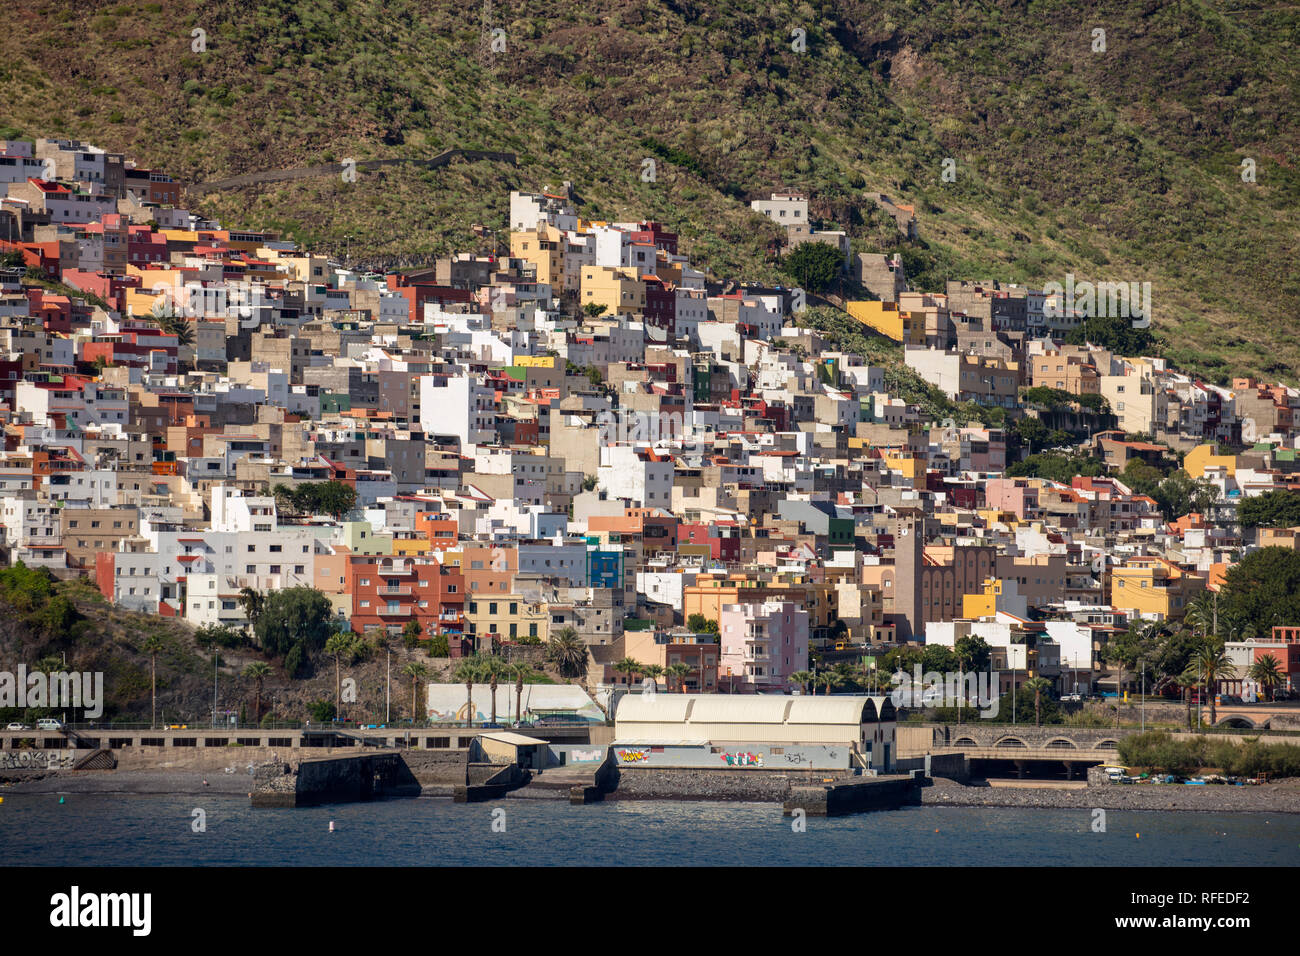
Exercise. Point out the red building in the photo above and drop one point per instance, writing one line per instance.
(389, 591)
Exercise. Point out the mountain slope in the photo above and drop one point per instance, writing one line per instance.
(1121, 165)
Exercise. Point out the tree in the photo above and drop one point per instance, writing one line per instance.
(1268, 674)
(629, 667)
(1261, 591)
(829, 679)
(417, 672)
(411, 633)
(1276, 509)
(467, 672)
(520, 671)
(814, 265)
(1113, 333)
(1030, 430)
(654, 672)
(1212, 665)
(494, 668)
(679, 672)
(697, 623)
(339, 646)
(321, 711)
(973, 653)
(336, 498)
(593, 309)
(294, 616)
(257, 671)
(1037, 686)
(253, 602)
(568, 653)
(153, 644)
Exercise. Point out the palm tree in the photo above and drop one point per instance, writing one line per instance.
(1203, 613)
(494, 668)
(467, 672)
(829, 680)
(1038, 685)
(654, 672)
(520, 671)
(417, 672)
(629, 667)
(802, 678)
(253, 602)
(679, 672)
(568, 652)
(336, 647)
(1268, 674)
(153, 644)
(1209, 666)
(258, 671)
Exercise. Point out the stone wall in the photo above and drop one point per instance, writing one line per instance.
(674, 784)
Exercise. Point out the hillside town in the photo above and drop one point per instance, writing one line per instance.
(579, 436)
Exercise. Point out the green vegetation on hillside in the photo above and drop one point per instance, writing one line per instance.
(1117, 166)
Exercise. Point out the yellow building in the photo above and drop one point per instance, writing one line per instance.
(618, 290)
(508, 616)
(887, 319)
(1152, 587)
(1203, 457)
(544, 248)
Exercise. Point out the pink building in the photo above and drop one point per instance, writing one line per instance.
(763, 643)
(1012, 494)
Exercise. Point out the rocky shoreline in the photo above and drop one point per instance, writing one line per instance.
(1270, 798)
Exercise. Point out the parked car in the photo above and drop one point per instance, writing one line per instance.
(18, 727)
(49, 723)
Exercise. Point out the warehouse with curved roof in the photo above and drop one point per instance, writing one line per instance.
(847, 725)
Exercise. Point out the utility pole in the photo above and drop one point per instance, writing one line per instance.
(214, 685)
(1144, 697)
(388, 689)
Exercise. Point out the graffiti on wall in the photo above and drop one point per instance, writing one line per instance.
(742, 759)
(586, 756)
(36, 760)
(639, 755)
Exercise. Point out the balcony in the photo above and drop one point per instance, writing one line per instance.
(401, 611)
(394, 591)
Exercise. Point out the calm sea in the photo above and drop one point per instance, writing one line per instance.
(115, 829)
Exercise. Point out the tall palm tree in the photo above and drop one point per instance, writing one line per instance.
(153, 644)
(568, 652)
(1203, 613)
(467, 672)
(1039, 686)
(1207, 668)
(802, 678)
(337, 647)
(679, 672)
(829, 680)
(417, 672)
(494, 668)
(520, 671)
(258, 671)
(1268, 674)
(654, 672)
(629, 667)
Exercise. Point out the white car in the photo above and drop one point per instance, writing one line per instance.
(18, 727)
(49, 723)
